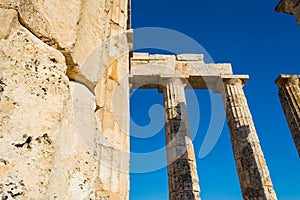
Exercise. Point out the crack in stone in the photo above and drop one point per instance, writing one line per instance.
(73, 70)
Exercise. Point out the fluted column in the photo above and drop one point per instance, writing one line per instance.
(251, 166)
(289, 94)
(182, 171)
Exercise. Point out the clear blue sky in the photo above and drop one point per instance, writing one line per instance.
(257, 41)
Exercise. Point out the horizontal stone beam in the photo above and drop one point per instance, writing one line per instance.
(180, 57)
(147, 71)
(184, 64)
(214, 83)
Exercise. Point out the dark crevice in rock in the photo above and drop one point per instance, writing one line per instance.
(45, 139)
(15, 195)
(5, 162)
(26, 143)
(2, 85)
(73, 71)
(47, 40)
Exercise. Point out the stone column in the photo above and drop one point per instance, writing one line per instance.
(251, 166)
(182, 171)
(289, 94)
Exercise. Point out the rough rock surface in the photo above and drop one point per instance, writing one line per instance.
(77, 29)
(34, 89)
(62, 139)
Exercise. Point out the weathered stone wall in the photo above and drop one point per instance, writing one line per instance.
(289, 7)
(63, 99)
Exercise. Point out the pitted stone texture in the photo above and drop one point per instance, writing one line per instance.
(52, 148)
(289, 7)
(289, 94)
(33, 91)
(184, 195)
(182, 171)
(78, 29)
(251, 166)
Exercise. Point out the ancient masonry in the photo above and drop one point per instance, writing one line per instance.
(171, 74)
(64, 99)
(290, 7)
(289, 94)
(60, 68)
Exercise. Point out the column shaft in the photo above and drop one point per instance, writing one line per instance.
(251, 166)
(289, 94)
(182, 171)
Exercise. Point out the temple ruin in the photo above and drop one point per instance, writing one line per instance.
(171, 75)
(64, 129)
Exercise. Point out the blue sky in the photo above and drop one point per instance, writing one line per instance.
(257, 41)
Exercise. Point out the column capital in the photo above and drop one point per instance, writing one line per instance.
(164, 81)
(235, 79)
(230, 80)
(287, 79)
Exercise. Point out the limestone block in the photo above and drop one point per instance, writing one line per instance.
(161, 57)
(90, 32)
(112, 98)
(8, 19)
(50, 136)
(49, 20)
(34, 89)
(91, 165)
(190, 57)
(148, 70)
(63, 17)
(138, 63)
(154, 68)
(140, 56)
(83, 112)
(196, 69)
(32, 15)
(224, 68)
(116, 11)
(105, 57)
